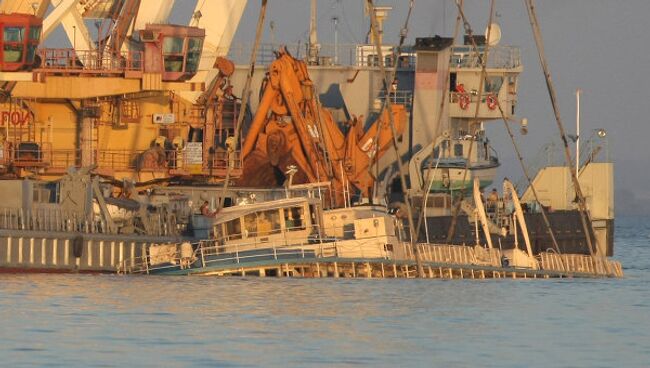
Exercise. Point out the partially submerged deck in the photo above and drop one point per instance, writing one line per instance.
(438, 261)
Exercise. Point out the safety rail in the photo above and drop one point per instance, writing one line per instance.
(52, 218)
(89, 61)
(328, 54)
(316, 248)
(211, 253)
(464, 99)
(49, 219)
(166, 159)
(41, 155)
(400, 97)
(499, 57)
(459, 254)
(578, 263)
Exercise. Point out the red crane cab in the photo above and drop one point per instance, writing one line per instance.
(20, 35)
(173, 50)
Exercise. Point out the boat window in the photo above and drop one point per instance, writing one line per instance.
(13, 53)
(173, 54)
(173, 45)
(294, 218)
(195, 135)
(268, 222)
(458, 150)
(14, 34)
(233, 229)
(194, 47)
(250, 225)
(493, 84)
(35, 33)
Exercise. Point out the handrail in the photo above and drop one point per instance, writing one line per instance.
(89, 61)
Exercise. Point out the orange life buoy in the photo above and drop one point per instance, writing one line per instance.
(463, 101)
(491, 102)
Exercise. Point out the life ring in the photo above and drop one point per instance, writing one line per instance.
(463, 101)
(491, 102)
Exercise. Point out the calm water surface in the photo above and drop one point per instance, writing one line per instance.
(77, 320)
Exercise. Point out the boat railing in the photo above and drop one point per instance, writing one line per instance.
(51, 219)
(593, 148)
(399, 97)
(328, 54)
(42, 155)
(89, 61)
(469, 98)
(499, 57)
(579, 263)
(174, 159)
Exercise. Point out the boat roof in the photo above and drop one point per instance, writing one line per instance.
(231, 213)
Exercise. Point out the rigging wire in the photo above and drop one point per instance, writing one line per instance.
(346, 23)
(389, 76)
(483, 60)
(585, 217)
(522, 163)
(422, 217)
(245, 97)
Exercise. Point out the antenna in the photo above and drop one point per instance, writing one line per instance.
(494, 30)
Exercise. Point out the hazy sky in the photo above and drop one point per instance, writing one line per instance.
(599, 46)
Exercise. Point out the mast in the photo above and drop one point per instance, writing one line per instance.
(313, 34)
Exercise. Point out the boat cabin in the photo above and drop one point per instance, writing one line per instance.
(20, 35)
(288, 221)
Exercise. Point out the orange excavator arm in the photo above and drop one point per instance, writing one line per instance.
(290, 127)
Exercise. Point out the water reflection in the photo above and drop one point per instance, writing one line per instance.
(72, 320)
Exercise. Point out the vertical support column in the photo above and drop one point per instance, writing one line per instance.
(31, 250)
(112, 254)
(121, 252)
(20, 250)
(66, 252)
(89, 245)
(9, 245)
(101, 253)
(55, 244)
(85, 132)
(43, 251)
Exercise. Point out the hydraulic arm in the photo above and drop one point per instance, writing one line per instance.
(291, 127)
